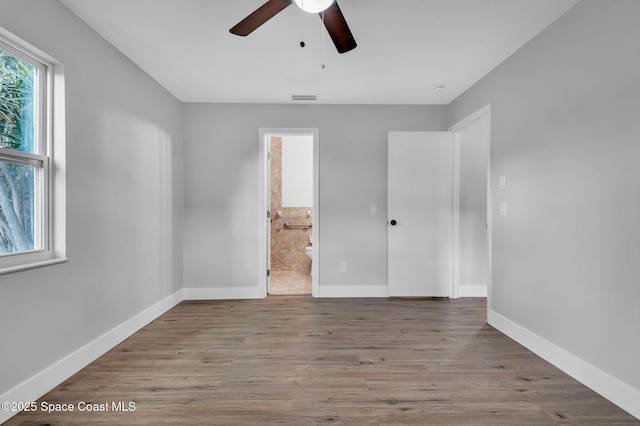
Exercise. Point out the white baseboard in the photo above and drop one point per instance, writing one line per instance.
(613, 389)
(472, 291)
(47, 379)
(383, 291)
(353, 291)
(231, 293)
(223, 293)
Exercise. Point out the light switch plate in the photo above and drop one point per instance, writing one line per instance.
(503, 182)
(503, 208)
(373, 209)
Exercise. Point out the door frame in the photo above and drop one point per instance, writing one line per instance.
(264, 203)
(483, 113)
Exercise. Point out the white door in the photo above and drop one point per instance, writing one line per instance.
(420, 206)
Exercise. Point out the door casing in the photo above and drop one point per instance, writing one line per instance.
(483, 113)
(264, 204)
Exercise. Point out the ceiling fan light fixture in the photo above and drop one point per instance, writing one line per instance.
(313, 6)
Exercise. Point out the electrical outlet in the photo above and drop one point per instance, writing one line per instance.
(373, 209)
(343, 267)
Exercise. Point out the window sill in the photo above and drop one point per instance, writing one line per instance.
(32, 265)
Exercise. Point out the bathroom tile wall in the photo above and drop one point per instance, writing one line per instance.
(287, 244)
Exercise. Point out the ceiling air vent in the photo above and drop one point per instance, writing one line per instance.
(304, 97)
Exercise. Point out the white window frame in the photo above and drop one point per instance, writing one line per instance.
(49, 239)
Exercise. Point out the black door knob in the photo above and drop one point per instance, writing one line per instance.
(393, 222)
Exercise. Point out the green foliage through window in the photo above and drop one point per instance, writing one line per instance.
(18, 81)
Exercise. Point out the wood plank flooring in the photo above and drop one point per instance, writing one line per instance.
(295, 360)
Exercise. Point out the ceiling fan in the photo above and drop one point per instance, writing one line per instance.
(328, 10)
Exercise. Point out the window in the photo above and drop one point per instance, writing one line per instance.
(25, 159)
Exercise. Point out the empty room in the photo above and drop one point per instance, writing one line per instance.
(302, 212)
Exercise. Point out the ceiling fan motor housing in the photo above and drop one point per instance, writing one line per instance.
(313, 6)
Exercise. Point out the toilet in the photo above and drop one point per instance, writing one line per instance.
(309, 252)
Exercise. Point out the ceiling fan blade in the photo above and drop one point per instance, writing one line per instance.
(338, 29)
(259, 17)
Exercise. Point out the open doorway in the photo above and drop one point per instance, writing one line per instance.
(472, 205)
(289, 196)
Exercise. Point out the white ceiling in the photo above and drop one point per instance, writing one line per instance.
(405, 47)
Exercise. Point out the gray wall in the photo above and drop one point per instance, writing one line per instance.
(565, 131)
(221, 181)
(124, 199)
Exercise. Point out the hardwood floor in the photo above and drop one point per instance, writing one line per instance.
(297, 360)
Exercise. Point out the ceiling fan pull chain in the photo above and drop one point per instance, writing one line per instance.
(302, 44)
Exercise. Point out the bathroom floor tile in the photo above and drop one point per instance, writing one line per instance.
(290, 282)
